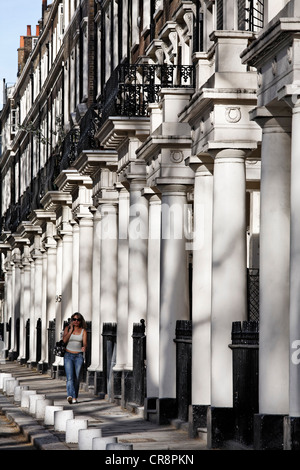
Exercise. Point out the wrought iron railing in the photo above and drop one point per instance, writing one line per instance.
(253, 294)
(255, 15)
(88, 127)
(128, 92)
(131, 88)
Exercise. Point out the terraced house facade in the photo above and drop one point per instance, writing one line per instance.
(149, 181)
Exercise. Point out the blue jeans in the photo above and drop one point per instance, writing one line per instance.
(73, 364)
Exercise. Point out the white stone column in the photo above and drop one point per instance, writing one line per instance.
(67, 265)
(16, 302)
(36, 286)
(294, 406)
(96, 351)
(174, 298)
(22, 319)
(254, 230)
(12, 308)
(8, 294)
(85, 266)
(274, 263)
(137, 263)
(122, 306)
(38, 293)
(25, 313)
(153, 301)
(44, 331)
(202, 265)
(32, 329)
(50, 247)
(108, 276)
(75, 275)
(229, 274)
(58, 314)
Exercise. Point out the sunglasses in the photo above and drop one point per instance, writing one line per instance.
(76, 319)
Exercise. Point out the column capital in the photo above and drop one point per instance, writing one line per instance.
(230, 156)
(290, 94)
(90, 162)
(201, 163)
(272, 118)
(53, 200)
(108, 207)
(151, 194)
(174, 189)
(68, 180)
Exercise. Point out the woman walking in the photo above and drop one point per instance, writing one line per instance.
(75, 339)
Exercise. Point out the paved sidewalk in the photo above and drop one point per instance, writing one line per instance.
(109, 417)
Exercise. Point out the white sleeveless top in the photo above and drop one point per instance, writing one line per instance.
(75, 342)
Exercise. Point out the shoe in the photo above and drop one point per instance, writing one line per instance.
(74, 400)
(69, 399)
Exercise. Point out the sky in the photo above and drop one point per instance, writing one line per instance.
(15, 15)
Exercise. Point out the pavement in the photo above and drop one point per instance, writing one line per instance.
(128, 427)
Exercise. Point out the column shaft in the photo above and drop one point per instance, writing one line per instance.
(32, 347)
(75, 274)
(229, 292)
(58, 322)
(85, 266)
(26, 301)
(122, 306)
(274, 268)
(67, 271)
(202, 258)
(96, 354)
(294, 268)
(153, 305)
(174, 304)
(137, 265)
(109, 245)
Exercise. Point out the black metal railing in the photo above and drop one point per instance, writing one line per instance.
(69, 149)
(253, 294)
(255, 15)
(88, 128)
(131, 88)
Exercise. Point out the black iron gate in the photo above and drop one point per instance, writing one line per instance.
(38, 340)
(27, 334)
(51, 342)
(183, 342)
(139, 358)
(109, 334)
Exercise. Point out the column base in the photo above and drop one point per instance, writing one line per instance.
(197, 420)
(99, 384)
(117, 385)
(127, 387)
(42, 367)
(160, 410)
(268, 432)
(291, 433)
(58, 372)
(31, 364)
(88, 379)
(220, 426)
(12, 356)
(150, 412)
